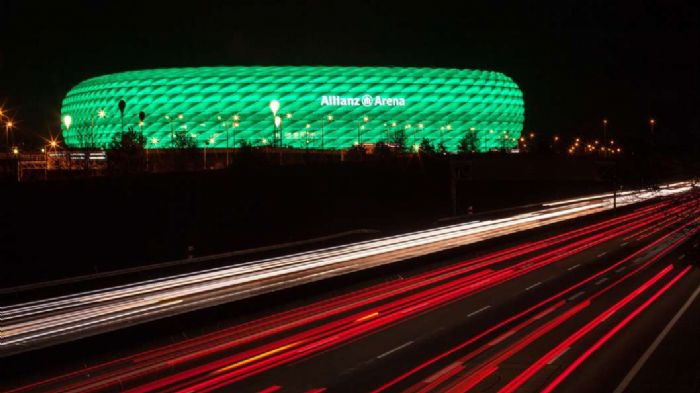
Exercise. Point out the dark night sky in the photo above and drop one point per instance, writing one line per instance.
(576, 62)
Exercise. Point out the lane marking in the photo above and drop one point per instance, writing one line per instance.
(502, 337)
(478, 311)
(538, 283)
(680, 258)
(601, 254)
(624, 244)
(574, 267)
(643, 359)
(602, 280)
(400, 347)
(554, 359)
(620, 269)
(442, 372)
(576, 295)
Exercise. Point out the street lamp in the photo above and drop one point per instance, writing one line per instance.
(172, 131)
(330, 119)
(361, 128)
(50, 146)
(652, 123)
(605, 130)
(288, 115)
(8, 125)
(274, 107)
(154, 143)
(306, 134)
(278, 123)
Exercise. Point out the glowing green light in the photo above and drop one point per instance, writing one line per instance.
(436, 104)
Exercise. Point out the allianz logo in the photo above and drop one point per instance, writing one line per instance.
(365, 100)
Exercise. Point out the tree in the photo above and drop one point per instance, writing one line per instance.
(399, 140)
(441, 148)
(426, 147)
(469, 143)
(126, 152)
(185, 151)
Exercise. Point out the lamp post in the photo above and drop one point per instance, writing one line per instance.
(330, 119)
(172, 131)
(67, 121)
(142, 119)
(274, 107)
(208, 142)
(180, 116)
(605, 130)
(278, 123)
(51, 145)
(361, 127)
(652, 123)
(234, 125)
(8, 126)
(288, 115)
(408, 127)
(306, 135)
(154, 143)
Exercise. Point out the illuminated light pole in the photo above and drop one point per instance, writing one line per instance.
(8, 126)
(360, 128)
(67, 121)
(307, 126)
(234, 125)
(289, 117)
(274, 107)
(278, 123)
(51, 145)
(207, 142)
(652, 123)
(180, 116)
(605, 130)
(421, 126)
(408, 127)
(330, 119)
(172, 131)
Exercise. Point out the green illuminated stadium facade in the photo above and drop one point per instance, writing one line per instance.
(319, 107)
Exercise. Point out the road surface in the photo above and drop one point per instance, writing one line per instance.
(569, 311)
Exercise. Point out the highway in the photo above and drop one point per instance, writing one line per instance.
(549, 313)
(50, 321)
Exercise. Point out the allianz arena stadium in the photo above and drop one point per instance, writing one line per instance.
(296, 107)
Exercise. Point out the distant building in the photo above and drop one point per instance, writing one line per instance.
(318, 107)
